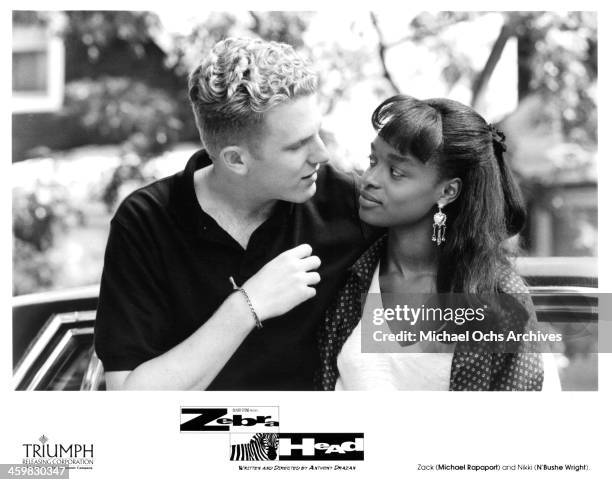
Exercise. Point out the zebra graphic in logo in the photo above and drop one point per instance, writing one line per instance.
(262, 447)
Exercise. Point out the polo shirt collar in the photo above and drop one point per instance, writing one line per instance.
(185, 204)
(187, 208)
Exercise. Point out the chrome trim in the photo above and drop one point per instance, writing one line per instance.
(82, 292)
(567, 309)
(563, 290)
(93, 374)
(44, 368)
(43, 339)
(558, 266)
(56, 354)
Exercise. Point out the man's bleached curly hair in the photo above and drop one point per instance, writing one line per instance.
(242, 79)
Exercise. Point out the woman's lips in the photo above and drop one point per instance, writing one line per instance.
(367, 200)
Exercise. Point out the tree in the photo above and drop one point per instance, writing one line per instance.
(557, 60)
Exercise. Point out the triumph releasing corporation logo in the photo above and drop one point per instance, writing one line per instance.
(73, 455)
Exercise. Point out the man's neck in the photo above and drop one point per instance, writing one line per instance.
(230, 204)
(218, 194)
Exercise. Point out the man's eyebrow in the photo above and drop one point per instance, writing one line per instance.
(303, 140)
(300, 141)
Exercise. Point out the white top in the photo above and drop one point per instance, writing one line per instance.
(406, 370)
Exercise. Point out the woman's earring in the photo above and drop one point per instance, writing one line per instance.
(439, 226)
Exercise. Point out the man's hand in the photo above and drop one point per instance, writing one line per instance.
(284, 282)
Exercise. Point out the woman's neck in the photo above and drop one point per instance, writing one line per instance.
(410, 250)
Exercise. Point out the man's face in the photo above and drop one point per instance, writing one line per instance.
(284, 160)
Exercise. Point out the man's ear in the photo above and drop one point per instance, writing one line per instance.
(450, 191)
(232, 157)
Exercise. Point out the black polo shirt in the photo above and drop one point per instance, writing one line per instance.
(167, 267)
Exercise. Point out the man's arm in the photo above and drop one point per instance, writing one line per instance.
(279, 286)
(196, 361)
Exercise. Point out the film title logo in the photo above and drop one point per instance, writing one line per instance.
(234, 420)
(296, 447)
(321, 446)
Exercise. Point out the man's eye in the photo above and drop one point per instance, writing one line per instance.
(396, 173)
(372, 160)
(299, 145)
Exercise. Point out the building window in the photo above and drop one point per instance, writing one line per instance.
(38, 70)
(30, 71)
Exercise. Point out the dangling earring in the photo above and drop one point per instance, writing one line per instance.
(439, 226)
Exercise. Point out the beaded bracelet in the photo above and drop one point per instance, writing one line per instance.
(242, 290)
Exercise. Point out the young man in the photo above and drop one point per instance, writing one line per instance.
(238, 240)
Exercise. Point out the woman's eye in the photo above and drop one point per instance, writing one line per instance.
(372, 160)
(396, 173)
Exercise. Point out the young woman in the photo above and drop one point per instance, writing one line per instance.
(438, 181)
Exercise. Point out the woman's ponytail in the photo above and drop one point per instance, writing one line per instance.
(515, 212)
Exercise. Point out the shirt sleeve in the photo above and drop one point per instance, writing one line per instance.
(519, 370)
(132, 315)
(523, 369)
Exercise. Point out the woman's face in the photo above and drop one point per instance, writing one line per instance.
(397, 190)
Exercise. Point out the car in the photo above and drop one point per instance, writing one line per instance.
(53, 331)
(53, 341)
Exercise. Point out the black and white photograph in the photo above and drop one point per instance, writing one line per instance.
(322, 212)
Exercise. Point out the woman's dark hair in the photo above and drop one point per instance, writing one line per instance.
(489, 208)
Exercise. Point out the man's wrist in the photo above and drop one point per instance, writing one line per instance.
(242, 311)
(244, 293)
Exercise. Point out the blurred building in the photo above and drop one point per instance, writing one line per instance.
(50, 53)
(38, 69)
